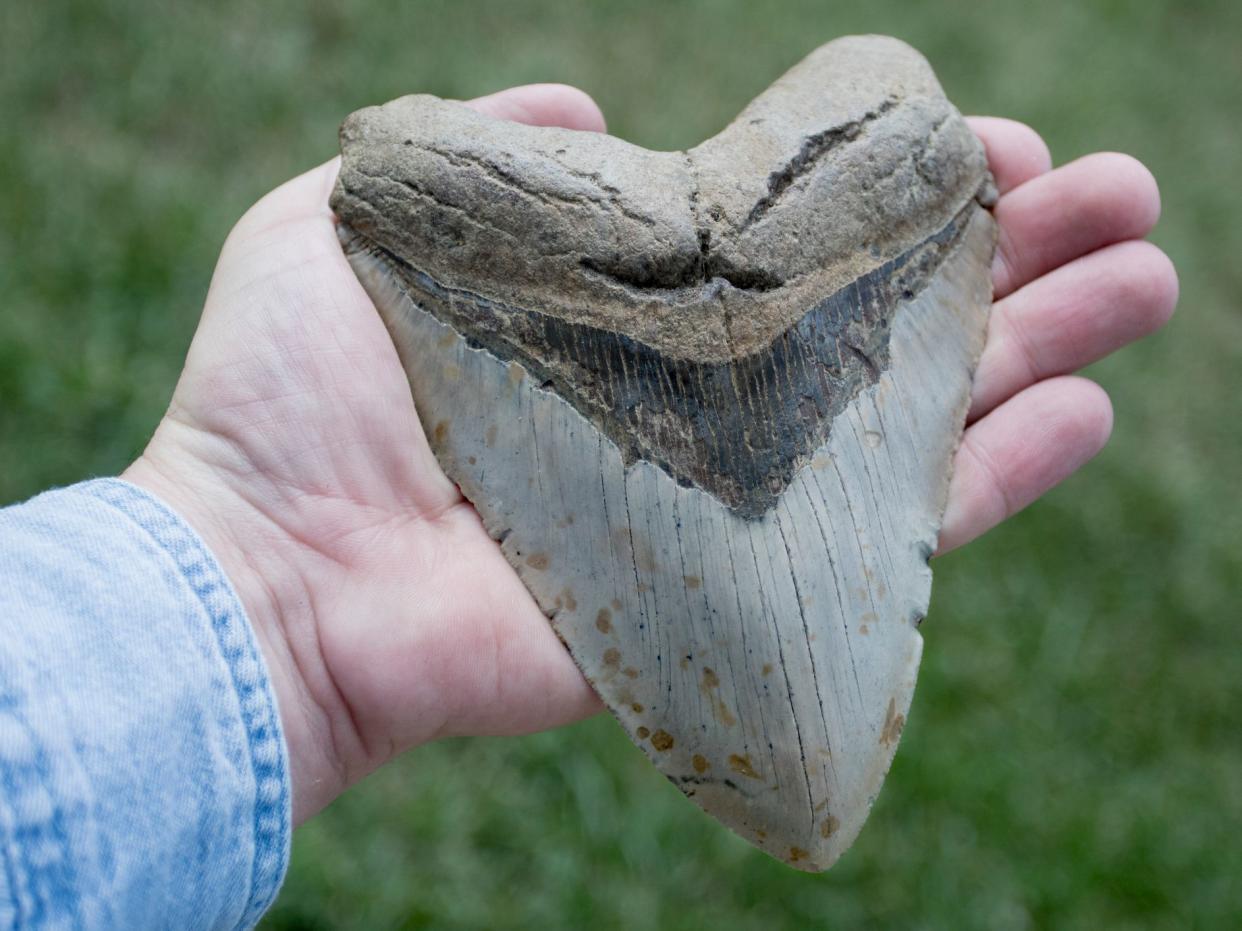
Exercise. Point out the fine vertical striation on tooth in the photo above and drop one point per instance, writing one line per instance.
(706, 401)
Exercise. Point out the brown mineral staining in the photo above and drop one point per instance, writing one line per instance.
(700, 764)
(767, 669)
(538, 561)
(642, 733)
(761, 834)
(471, 459)
(440, 433)
(893, 723)
(644, 558)
(693, 581)
(489, 436)
(621, 538)
(662, 740)
(630, 672)
(603, 621)
(637, 708)
(516, 373)
(447, 338)
(797, 853)
(742, 766)
(612, 657)
(709, 684)
(829, 826)
(568, 596)
(895, 729)
(863, 630)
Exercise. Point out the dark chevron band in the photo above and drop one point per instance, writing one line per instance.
(687, 417)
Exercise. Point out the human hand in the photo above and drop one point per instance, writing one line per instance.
(387, 615)
(1072, 281)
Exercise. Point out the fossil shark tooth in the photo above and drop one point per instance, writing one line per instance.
(706, 401)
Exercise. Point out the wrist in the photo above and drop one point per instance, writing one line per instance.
(255, 555)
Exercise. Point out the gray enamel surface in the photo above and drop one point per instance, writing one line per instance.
(766, 666)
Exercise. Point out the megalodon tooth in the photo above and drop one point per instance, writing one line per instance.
(706, 402)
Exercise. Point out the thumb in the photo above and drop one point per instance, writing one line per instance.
(274, 234)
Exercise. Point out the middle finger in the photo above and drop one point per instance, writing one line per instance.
(1071, 317)
(1080, 207)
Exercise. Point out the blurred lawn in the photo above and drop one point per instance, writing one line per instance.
(1074, 758)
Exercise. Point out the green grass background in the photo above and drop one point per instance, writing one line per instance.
(1074, 755)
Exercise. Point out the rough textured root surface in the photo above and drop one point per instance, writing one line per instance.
(707, 401)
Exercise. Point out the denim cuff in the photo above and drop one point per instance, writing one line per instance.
(144, 779)
(235, 639)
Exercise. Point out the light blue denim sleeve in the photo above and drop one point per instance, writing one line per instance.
(143, 774)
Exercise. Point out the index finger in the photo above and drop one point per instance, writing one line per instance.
(1016, 153)
(543, 105)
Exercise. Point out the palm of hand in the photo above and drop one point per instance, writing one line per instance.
(387, 615)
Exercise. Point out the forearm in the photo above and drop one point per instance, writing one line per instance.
(145, 774)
